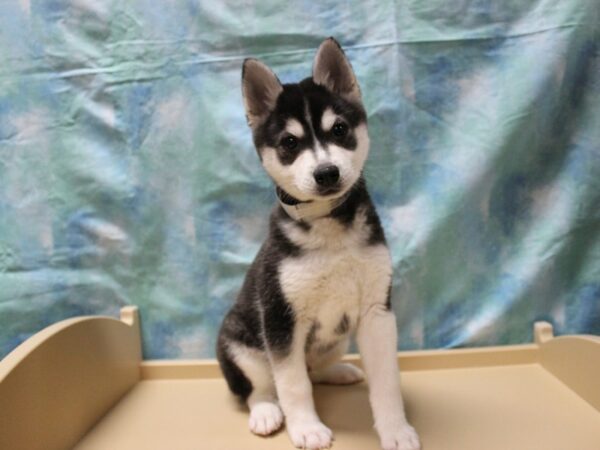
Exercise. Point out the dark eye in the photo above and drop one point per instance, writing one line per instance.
(339, 129)
(289, 142)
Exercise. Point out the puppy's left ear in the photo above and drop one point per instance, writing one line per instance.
(260, 90)
(333, 70)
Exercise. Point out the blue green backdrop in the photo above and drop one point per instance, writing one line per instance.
(128, 176)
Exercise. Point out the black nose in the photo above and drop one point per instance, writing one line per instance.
(327, 175)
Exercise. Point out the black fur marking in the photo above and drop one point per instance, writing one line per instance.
(261, 318)
(292, 103)
(388, 302)
(359, 198)
(282, 246)
(320, 98)
(285, 197)
(283, 216)
(304, 226)
(346, 212)
(278, 324)
(377, 235)
(242, 325)
(278, 316)
(238, 383)
(344, 325)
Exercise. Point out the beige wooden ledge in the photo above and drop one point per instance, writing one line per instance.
(81, 384)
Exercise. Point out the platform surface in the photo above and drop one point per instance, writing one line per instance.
(81, 383)
(519, 407)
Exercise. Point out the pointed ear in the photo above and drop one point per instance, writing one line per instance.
(260, 89)
(333, 70)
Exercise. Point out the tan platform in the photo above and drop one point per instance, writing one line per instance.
(81, 384)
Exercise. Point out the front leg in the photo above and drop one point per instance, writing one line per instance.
(294, 390)
(377, 340)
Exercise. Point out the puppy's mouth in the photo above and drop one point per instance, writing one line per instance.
(329, 191)
(313, 193)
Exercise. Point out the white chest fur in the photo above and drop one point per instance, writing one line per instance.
(337, 274)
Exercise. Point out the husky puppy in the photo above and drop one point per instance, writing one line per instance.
(324, 272)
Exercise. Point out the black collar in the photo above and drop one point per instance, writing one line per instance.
(308, 210)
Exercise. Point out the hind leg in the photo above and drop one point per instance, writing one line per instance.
(338, 373)
(265, 414)
(326, 368)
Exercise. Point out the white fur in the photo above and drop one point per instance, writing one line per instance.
(326, 283)
(265, 415)
(328, 119)
(338, 274)
(331, 277)
(294, 390)
(310, 435)
(265, 418)
(329, 236)
(321, 154)
(294, 127)
(289, 178)
(255, 365)
(297, 179)
(377, 337)
(340, 373)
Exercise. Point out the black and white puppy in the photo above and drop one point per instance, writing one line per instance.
(324, 272)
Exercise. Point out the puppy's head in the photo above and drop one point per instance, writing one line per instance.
(311, 136)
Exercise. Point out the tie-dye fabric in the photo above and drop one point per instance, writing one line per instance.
(128, 175)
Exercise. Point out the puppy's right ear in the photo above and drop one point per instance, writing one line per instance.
(260, 89)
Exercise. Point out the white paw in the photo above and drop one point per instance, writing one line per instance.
(340, 373)
(265, 418)
(310, 435)
(403, 438)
